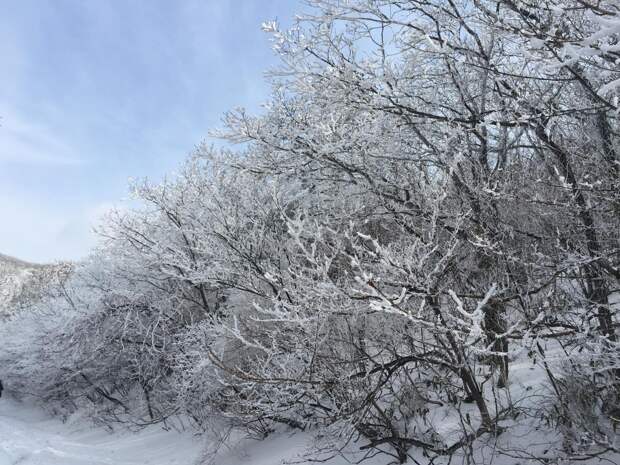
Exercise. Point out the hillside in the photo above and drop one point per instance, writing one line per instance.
(23, 283)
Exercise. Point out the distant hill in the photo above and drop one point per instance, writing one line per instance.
(23, 283)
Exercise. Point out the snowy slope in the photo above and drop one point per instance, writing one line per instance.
(22, 283)
(13, 276)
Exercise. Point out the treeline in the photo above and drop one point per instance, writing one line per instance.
(432, 195)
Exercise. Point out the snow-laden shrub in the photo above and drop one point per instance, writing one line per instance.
(587, 407)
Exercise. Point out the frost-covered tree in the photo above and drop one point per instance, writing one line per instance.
(429, 200)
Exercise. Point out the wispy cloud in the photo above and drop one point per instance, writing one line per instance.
(29, 143)
(92, 93)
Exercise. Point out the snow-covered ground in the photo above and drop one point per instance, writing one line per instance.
(29, 436)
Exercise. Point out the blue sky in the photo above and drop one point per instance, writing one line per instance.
(95, 92)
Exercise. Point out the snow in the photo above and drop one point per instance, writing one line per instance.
(23, 282)
(12, 282)
(28, 436)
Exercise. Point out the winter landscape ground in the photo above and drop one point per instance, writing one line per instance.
(411, 255)
(31, 436)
